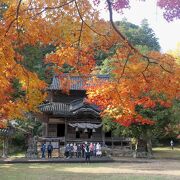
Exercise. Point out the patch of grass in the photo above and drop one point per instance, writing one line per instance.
(167, 152)
(99, 171)
(18, 154)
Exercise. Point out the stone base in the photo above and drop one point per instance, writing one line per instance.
(142, 155)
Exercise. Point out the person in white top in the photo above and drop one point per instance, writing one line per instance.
(98, 150)
(75, 149)
(172, 144)
(91, 146)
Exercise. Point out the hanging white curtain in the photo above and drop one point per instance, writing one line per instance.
(85, 125)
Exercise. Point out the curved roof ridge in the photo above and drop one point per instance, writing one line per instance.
(75, 82)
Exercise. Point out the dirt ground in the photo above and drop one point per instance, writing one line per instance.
(141, 169)
(164, 166)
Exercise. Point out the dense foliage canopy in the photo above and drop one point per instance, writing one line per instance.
(76, 30)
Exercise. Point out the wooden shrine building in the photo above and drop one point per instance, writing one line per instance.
(69, 118)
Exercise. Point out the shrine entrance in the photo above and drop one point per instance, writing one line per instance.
(60, 130)
(34, 150)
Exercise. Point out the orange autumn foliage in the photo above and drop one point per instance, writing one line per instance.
(137, 82)
(77, 31)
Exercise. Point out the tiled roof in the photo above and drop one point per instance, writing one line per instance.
(68, 108)
(5, 132)
(85, 110)
(55, 107)
(76, 82)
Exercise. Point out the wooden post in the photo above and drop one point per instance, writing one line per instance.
(131, 146)
(65, 138)
(44, 129)
(3, 153)
(103, 136)
(112, 142)
(5, 148)
(45, 125)
(59, 149)
(35, 147)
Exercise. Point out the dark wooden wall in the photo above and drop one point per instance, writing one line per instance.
(65, 98)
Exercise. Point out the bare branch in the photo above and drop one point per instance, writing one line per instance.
(148, 63)
(15, 19)
(125, 64)
(80, 34)
(17, 11)
(79, 41)
(115, 28)
(129, 45)
(165, 69)
(42, 10)
(104, 35)
(51, 8)
(144, 77)
(11, 23)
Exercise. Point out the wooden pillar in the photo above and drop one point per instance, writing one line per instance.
(35, 146)
(65, 138)
(103, 136)
(3, 153)
(130, 145)
(59, 149)
(5, 147)
(45, 125)
(51, 96)
(112, 141)
(45, 130)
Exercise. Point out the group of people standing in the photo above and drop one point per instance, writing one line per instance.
(49, 150)
(83, 150)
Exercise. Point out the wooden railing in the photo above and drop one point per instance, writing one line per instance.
(76, 104)
(117, 139)
(60, 107)
(98, 139)
(80, 140)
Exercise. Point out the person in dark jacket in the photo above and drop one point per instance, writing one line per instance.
(87, 152)
(71, 150)
(50, 149)
(43, 150)
(82, 148)
(67, 149)
(78, 150)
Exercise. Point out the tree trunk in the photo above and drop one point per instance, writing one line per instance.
(140, 148)
(144, 145)
(149, 143)
(5, 148)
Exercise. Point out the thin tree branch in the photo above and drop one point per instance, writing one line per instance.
(165, 69)
(17, 12)
(144, 77)
(125, 64)
(30, 9)
(115, 28)
(148, 63)
(15, 19)
(51, 8)
(127, 42)
(80, 34)
(79, 42)
(11, 23)
(104, 35)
